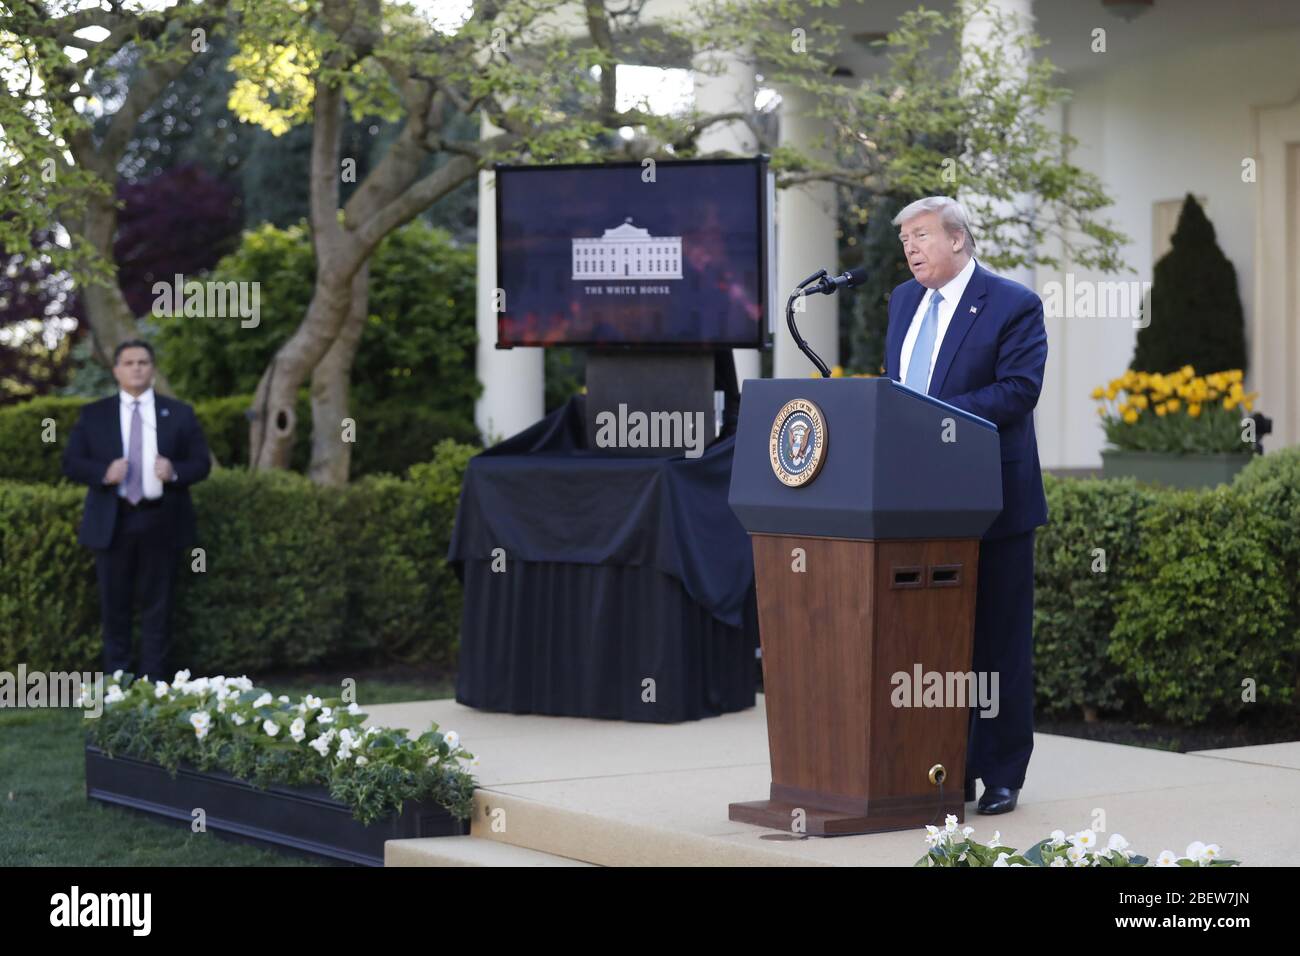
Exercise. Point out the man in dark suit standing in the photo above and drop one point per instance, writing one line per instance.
(138, 453)
(977, 341)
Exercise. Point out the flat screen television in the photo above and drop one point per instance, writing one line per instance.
(624, 255)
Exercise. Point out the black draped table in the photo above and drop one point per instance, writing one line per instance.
(602, 586)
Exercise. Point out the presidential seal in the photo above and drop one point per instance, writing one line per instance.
(798, 442)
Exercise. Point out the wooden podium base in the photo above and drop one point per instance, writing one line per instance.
(779, 815)
(843, 623)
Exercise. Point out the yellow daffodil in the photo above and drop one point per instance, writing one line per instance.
(1160, 410)
(1131, 416)
(1194, 409)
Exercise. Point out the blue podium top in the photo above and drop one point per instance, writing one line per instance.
(895, 464)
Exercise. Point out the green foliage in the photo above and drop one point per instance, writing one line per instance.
(1076, 589)
(417, 348)
(214, 357)
(1204, 608)
(296, 574)
(49, 605)
(25, 455)
(419, 342)
(1271, 485)
(1194, 312)
(274, 588)
(229, 725)
(405, 597)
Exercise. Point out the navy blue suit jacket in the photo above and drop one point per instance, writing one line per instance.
(96, 440)
(990, 364)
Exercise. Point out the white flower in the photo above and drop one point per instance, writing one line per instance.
(263, 700)
(1117, 843)
(114, 694)
(371, 731)
(326, 716)
(117, 674)
(1077, 853)
(453, 741)
(298, 729)
(302, 708)
(1166, 858)
(283, 698)
(160, 689)
(932, 834)
(949, 822)
(1205, 854)
(361, 760)
(997, 835)
(311, 702)
(237, 719)
(321, 745)
(221, 705)
(1085, 839)
(353, 708)
(965, 831)
(201, 721)
(181, 677)
(1058, 861)
(1082, 862)
(271, 727)
(1058, 838)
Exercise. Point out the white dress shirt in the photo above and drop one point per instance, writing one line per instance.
(952, 293)
(152, 486)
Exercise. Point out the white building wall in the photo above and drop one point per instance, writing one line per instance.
(1156, 131)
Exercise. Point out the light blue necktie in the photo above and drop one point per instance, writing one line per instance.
(918, 369)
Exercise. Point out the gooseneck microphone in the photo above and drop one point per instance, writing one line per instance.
(820, 282)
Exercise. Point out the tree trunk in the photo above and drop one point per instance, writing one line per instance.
(331, 449)
(110, 318)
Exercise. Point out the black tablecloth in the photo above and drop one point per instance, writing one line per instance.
(628, 589)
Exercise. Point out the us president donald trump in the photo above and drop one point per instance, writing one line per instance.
(977, 341)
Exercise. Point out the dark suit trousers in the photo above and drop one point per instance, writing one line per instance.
(139, 565)
(998, 748)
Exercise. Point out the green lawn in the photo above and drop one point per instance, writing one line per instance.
(46, 820)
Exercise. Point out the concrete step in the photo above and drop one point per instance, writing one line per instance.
(467, 851)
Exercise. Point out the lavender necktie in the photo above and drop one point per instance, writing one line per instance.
(135, 457)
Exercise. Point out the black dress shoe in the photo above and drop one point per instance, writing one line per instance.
(997, 800)
(970, 791)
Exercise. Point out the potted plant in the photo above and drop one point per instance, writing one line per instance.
(1177, 428)
(223, 755)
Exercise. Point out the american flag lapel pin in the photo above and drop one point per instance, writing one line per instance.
(973, 309)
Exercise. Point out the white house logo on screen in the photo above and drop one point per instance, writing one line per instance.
(797, 443)
(628, 252)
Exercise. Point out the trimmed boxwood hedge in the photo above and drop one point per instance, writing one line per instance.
(390, 437)
(1199, 593)
(292, 574)
(1081, 559)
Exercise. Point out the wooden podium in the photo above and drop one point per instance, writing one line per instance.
(865, 503)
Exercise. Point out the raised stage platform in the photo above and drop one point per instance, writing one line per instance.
(569, 791)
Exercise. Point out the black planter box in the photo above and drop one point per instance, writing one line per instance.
(305, 819)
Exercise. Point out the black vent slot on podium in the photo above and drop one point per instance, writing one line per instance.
(910, 576)
(945, 575)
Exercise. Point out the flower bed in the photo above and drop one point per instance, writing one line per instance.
(952, 846)
(249, 759)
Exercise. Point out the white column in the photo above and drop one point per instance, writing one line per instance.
(979, 33)
(514, 382)
(724, 83)
(805, 242)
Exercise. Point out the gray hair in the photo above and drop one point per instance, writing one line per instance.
(952, 215)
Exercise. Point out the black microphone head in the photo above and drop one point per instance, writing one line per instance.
(856, 277)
